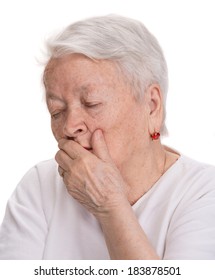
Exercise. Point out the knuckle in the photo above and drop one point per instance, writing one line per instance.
(61, 143)
(57, 156)
(84, 160)
(64, 144)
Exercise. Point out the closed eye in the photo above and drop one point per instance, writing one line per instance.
(92, 105)
(56, 115)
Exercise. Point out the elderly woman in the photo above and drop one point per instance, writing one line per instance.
(113, 191)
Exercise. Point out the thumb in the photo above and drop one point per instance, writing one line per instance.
(99, 146)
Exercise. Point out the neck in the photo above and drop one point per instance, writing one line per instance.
(143, 170)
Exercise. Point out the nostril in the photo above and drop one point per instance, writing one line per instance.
(75, 134)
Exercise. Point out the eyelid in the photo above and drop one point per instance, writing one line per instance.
(92, 104)
(55, 114)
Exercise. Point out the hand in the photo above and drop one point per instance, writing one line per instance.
(91, 178)
(94, 181)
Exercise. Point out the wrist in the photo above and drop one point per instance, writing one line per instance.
(116, 210)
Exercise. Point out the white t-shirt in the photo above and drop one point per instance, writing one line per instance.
(43, 221)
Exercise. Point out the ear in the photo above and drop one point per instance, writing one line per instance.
(154, 103)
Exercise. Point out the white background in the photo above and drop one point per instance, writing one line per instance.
(186, 32)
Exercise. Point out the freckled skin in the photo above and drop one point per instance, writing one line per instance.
(76, 79)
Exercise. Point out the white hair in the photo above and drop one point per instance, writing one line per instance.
(122, 40)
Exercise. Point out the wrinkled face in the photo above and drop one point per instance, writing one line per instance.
(84, 95)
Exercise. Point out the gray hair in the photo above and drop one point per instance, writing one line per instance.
(122, 40)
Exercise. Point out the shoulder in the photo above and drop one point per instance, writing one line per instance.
(43, 176)
(190, 171)
(196, 173)
(193, 218)
(186, 182)
(39, 181)
(46, 166)
(44, 170)
(189, 162)
(194, 188)
(39, 188)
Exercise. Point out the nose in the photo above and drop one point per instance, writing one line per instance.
(74, 124)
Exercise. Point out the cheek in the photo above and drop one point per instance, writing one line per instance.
(57, 129)
(117, 147)
(123, 135)
(117, 140)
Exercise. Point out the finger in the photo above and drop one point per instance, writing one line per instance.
(61, 171)
(71, 148)
(63, 160)
(99, 146)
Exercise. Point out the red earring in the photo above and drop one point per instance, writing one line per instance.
(155, 136)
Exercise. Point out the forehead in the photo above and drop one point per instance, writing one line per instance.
(81, 72)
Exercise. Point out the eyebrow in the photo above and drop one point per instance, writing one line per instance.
(52, 96)
(85, 91)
